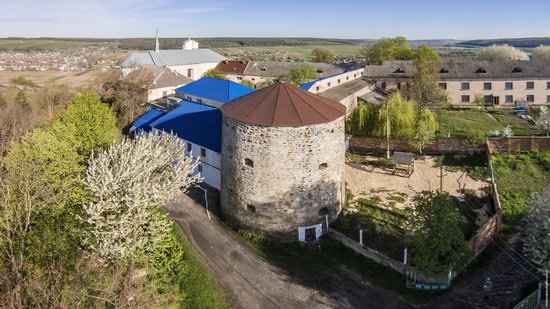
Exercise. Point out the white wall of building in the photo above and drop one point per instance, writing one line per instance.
(200, 100)
(154, 94)
(197, 69)
(337, 80)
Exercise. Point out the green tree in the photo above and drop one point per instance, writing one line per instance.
(425, 128)
(388, 49)
(22, 102)
(247, 83)
(426, 53)
(322, 55)
(213, 73)
(87, 123)
(437, 241)
(396, 118)
(301, 74)
(425, 89)
(363, 119)
(536, 242)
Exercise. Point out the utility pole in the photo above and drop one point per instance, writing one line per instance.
(441, 178)
(387, 133)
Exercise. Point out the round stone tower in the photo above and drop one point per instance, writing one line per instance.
(283, 152)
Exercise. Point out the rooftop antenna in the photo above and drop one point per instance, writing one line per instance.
(157, 45)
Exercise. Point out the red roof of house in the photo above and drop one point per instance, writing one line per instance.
(283, 105)
(232, 66)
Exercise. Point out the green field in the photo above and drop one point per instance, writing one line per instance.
(42, 44)
(299, 51)
(460, 122)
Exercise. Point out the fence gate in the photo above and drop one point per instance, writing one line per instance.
(415, 280)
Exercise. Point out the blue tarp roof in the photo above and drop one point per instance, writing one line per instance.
(146, 119)
(220, 90)
(197, 123)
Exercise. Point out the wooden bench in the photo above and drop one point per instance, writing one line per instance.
(403, 163)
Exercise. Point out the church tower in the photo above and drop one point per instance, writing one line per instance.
(157, 45)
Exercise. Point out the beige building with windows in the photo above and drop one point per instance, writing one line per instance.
(499, 83)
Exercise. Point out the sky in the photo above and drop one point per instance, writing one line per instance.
(357, 19)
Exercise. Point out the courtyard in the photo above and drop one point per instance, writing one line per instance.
(380, 202)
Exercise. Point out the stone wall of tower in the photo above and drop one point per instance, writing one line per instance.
(276, 179)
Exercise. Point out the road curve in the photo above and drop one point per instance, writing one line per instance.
(249, 280)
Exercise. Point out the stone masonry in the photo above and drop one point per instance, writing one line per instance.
(276, 179)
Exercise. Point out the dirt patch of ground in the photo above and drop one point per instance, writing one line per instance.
(381, 183)
(74, 79)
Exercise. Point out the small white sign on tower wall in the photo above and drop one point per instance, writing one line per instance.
(304, 230)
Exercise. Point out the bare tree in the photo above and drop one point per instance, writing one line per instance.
(130, 181)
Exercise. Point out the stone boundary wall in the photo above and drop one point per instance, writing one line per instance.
(443, 145)
(372, 254)
(517, 144)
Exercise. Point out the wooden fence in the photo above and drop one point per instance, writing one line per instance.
(517, 144)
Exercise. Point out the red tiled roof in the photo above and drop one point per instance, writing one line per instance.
(232, 66)
(283, 105)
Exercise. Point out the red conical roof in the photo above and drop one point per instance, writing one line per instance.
(283, 105)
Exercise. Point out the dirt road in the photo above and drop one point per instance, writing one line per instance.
(251, 281)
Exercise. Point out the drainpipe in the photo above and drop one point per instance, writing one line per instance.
(206, 200)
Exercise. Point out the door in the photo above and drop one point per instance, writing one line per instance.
(496, 100)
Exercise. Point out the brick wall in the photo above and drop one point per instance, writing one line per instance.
(517, 144)
(448, 145)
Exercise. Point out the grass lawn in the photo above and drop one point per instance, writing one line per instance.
(197, 281)
(460, 122)
(518, 176)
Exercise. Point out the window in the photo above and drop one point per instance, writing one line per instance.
(443, 86)
(481, 70)
(465, 86)
(323, 211)
(190, 73)
(399, 70)
(547, 98)
(203, 152)
(328, 84)
(465, 99)
(239, 77)
(200, 168)
(164, 93)
(517, 70)
(487, 86)
(189, 147)
(347, 77)
(530, 98)
(530, 85)
(509, 98)
(199, 101)
(547, 85)
(508, 85)
(354, 75)
(398, 86)
(338, 81)
(443, 70)
(317, 88)
(322, 166)
(251, 208)
(189, 98)
(408, 85)
(488, 99)
(248, 162)
(384, 85)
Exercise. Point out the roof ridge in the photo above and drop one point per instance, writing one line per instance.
(322, 99)
(293, 105)
(310, 105)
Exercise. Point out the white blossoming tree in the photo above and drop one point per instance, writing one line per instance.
(543, 123)
(537, 229)
(130, 181)
(541, 52)
(502, 52)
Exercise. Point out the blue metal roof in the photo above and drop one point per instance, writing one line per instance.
(308, 85)
(197, 123)
(146, 119)
(220, 90)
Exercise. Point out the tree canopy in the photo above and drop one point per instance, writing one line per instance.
(437, 241)
(425, 89)
(397, 49)
(301, 74)
(426, 128)
(322, 55)
(213, 73)
(536, 242)
(541, 52)
(502, 52)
